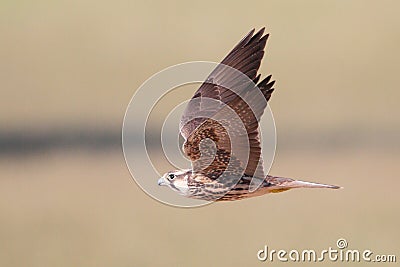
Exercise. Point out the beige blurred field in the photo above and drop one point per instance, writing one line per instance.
(76, 209)
(69, 68)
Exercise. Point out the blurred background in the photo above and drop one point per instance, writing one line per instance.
(69, 68)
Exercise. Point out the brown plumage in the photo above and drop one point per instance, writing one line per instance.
(220, 128)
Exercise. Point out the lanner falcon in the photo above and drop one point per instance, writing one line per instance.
(212, 135)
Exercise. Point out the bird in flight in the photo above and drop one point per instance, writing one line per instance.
(220, 126)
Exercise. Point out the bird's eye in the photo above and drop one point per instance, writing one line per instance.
(171, 176)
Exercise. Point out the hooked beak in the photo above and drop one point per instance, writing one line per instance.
(161, 181)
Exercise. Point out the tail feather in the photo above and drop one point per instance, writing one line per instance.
(279, 184)
(304, 184)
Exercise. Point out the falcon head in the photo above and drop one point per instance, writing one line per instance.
(176, 180)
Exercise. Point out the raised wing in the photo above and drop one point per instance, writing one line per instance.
(245, 57)
(212, 106)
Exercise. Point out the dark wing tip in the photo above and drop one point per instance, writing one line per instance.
(245, 40)
(266, 83)
(266, 87)
(258, 35)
